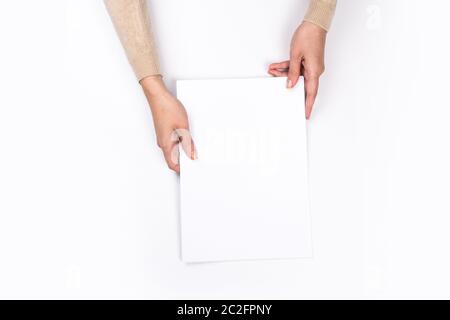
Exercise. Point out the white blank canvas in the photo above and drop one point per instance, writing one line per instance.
(245, 197)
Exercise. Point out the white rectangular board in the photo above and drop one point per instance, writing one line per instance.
(246, 195)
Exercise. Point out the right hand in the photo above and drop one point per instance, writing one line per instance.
(171, 121)
(307, 59)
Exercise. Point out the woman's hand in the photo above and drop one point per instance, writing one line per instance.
(171, 121)
(307, 59)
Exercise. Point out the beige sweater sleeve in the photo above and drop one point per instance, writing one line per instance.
(321, 12)
(130, 19)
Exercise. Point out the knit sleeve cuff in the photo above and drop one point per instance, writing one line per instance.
(321, 12)
(145, 65)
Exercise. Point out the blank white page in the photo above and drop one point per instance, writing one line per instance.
(245, 197)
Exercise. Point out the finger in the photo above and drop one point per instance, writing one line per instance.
(293, 73)
(311, 89)
(171, 154)
(279, 65)
(185, 138)
(278, 73)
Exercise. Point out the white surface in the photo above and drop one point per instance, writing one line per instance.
(88, 208)
(246, 195)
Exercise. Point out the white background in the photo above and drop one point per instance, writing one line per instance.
(88, 208)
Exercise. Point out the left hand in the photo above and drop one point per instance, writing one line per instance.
(307, 59)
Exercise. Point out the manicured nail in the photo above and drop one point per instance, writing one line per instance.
(289, 84)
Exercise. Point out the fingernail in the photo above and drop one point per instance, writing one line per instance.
(289, 84)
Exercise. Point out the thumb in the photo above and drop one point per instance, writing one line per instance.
(294, 72)
(185, 139)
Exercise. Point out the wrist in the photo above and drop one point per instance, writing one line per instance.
(153, 86)
(314, 28)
